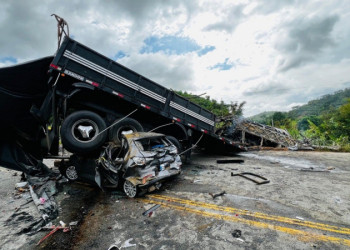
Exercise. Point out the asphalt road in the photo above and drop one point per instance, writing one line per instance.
(304, 206)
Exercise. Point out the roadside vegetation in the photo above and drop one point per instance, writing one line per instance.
(218, 108)
(324, 121)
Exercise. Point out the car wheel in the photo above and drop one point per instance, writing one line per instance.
(127, 124)
(70, 172)
(130, 189)
(80, 132)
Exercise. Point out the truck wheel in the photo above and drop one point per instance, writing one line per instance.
(175, 142)
(80, 132)
(127, 124)
(130, 189)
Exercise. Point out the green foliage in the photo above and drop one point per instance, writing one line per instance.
(333, 128)
(303, 123)
(218, 108)
(292, 128)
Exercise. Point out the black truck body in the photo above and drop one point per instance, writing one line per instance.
(79, 78)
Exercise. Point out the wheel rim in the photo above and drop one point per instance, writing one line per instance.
(71, 173)
(129, 189)
(85, 130)
(125, 129)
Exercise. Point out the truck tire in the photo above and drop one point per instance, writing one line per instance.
(79, 132)
(175, 142)
(115, 133)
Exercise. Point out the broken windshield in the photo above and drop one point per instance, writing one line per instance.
(151, 144)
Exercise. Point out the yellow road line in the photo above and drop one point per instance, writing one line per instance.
(320, 226)
(302, 235)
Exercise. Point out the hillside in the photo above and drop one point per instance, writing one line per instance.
(324, 104)
(261, 118)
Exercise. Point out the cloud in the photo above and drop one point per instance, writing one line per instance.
(267, 89)
(170, 71)
(22, 28)
(273, 6)
(304, 40)
(231, 17)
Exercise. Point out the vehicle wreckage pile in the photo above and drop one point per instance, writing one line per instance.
(252, 134)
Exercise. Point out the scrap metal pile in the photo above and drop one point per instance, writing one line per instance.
(252, 134)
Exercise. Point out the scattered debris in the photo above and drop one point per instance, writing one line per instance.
(195, 181)
(40, 190)
(229, 161)
(265, 181)
(48, 235)
(54, 229)
(330, 168)
(21, 185)
(73, 223)
(42, 200)
(126, 244)
(149, 211)
(311, 169)
(299, 218)
(237, 233)
(216, 195)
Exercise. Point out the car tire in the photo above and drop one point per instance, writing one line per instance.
(80, 132)
(115, 133)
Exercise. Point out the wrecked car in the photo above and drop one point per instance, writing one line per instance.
(141, 162)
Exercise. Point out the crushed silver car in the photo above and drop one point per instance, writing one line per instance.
(142, 161)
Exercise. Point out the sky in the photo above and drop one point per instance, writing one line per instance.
(273, 54)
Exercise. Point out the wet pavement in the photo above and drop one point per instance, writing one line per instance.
(305, 206)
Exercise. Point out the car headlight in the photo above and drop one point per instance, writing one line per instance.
(139, 160)
(142, 160)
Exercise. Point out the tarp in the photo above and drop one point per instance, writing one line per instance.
(22, 86)
(26, 79)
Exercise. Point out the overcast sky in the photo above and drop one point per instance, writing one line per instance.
(273, 54)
